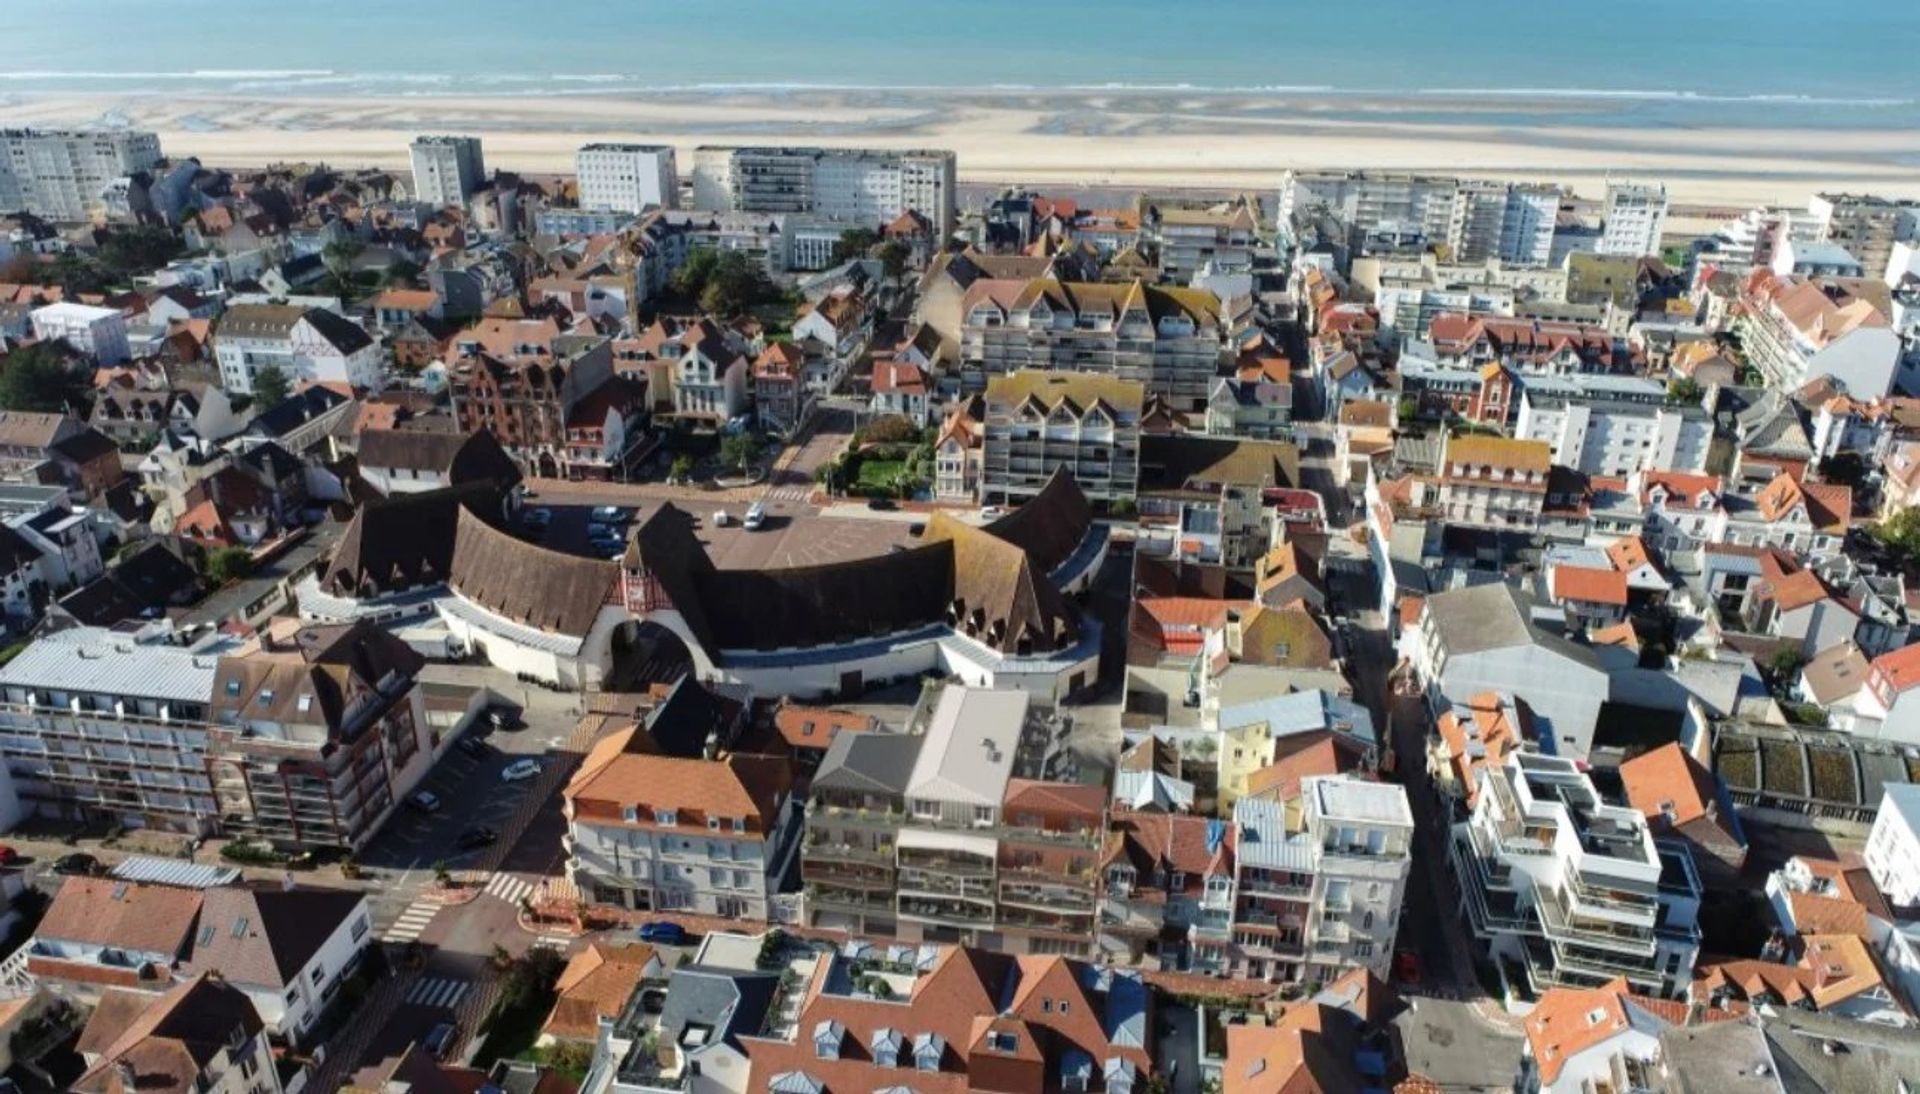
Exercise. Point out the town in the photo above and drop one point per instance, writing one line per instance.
(779, 618)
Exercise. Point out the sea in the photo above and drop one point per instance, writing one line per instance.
(1641, 63)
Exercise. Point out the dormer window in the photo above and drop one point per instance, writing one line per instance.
(663, 817)
(630, 814)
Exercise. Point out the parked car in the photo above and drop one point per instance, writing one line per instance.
(1406, 968)
(670, 934)
(440, 1041)
(721, 519)
(8, 856)
(477, 836)
(502, 717)
(76, 864)
(612, 514)
(989, 512)
(537, 518)
(756, 516)
(472, 746)
(882, 505)
(425, 801)
(519, 770)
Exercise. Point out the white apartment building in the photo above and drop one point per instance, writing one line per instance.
(1601, 436)
(1568, 890)
(1865, 224)
(1315, 891)
(446, 170)
(852, 186)
(301, 343)
(627, 178)
(1476, 219)
(1039, 422)
(1798, 329)
(100, 333)
(63, 174)
(653, 832)
(1893, 847)
(1635, 217)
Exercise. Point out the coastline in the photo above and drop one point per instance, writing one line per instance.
(1074, 137)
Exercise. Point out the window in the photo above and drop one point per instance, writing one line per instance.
(319, 973)
(983, 814)
(663, 817)
(713, 824)
(360, 928)
(630, 814)
(739, 824)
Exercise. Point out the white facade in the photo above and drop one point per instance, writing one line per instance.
(869, 187)
(63, 174)
(1635, 218)
(100, 333)
(627, 178)
(1893, 847)
(1617, 438)
(446, 170)
(1570, 890)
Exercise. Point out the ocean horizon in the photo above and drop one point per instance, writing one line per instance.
(1711, 64)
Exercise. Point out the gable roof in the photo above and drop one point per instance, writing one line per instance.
(266, 936)
(125, 915)
(171, 1041)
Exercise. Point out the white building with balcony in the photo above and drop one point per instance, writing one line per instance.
(1564, 890)
(99, 333)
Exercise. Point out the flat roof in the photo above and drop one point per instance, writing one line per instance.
(1356, 799)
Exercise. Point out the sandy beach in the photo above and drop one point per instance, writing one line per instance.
(1136, 138)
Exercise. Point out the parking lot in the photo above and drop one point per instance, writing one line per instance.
(471, 793)
(568, 527)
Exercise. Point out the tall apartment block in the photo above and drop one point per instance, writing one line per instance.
(62, 174)
(1568, 891)
(867, 187)
(1476, 219)
(303, 746)
(627, 178)
(1317, 885)
(1039, 422)
(446, 170)
(1635, 217)
(1866, 225)
(933, 837)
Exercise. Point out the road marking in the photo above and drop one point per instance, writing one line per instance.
(509, 888)
(438, 991)
(553, 942)
(412, 922)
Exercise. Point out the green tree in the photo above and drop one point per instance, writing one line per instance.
(270, 387)
(77, 275)
(39, 378)
(893, 255)
(854, 243)
(735, 285)
(1684, 390)
(681, 469)
(1900, 532)
(692, 277)
(889, 429)
(138, 250)
(738, 450)
(225, 564)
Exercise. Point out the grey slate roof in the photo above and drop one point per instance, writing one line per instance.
(874, 763)
(731, 1003)
(1495, 617)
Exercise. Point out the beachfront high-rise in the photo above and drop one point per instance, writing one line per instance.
(446, 170)
(1633, 220)
(1477, 219)
(853, 186)
(62, 174)
(628, 178)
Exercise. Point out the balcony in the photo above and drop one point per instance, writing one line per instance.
(812, 871)
(911, 858)
(949, 913)
(826, 849)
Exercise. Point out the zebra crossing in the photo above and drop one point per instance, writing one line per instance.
(438, 991)
(509, 888)
(412, 922)
(792, 492)
(553, 942)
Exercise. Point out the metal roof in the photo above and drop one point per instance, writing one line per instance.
(182, 875)
(96, 661)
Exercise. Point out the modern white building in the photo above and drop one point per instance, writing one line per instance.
(1893, 847)
(853, 186)
(627, 178)
(446, 170)
(1634, 218)
(1600, 436)
(1568, 891)
(63, 174)
(1477, 219)
(100, 333)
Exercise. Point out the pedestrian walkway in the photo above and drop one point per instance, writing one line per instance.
(412, 922)
(438, 991)
(800, 492)
(509, 888)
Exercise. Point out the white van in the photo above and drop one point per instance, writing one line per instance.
(756, 516)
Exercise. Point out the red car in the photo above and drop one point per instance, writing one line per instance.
(1406, 968)
(8, 856)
